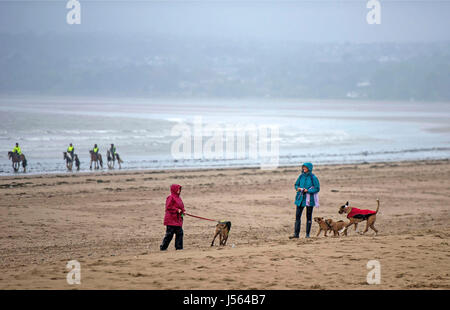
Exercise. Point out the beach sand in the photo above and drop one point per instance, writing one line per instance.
(112, 223)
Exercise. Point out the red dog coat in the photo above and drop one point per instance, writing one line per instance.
(358, 213)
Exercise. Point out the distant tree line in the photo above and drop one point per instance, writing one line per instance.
(93, 64)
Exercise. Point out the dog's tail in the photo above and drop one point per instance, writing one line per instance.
(378, 206)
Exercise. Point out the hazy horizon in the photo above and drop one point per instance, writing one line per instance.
(227, 49)
(307, 21)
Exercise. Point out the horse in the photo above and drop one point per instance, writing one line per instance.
(112, 159)
(96, 157)
(69, 161)
(77, 161)
(16, 160)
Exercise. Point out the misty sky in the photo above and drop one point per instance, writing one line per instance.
(314, 21)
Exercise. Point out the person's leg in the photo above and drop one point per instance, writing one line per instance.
(298, 218)
(167, 238)
(309, 211)
(179, 238)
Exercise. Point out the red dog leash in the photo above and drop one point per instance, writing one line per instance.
(202, 218)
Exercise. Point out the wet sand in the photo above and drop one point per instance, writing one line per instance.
(111, 222)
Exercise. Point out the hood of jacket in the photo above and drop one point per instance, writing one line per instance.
(174, 189)
(309, 166)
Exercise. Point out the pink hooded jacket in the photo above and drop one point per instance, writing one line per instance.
(173, 204)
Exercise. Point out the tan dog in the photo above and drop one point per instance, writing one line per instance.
(322, 226)
(336, 226)
(357, 215)
(222, 230)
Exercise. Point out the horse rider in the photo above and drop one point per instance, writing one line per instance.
(95, 150)
(113, 151)
(17, 150)
(71, 150)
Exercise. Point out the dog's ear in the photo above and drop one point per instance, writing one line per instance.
(346, 204)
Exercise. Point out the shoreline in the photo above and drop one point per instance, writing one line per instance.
(106, 171)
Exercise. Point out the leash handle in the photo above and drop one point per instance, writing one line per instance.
(202, 218)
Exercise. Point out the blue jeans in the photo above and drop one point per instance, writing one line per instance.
(298, 220)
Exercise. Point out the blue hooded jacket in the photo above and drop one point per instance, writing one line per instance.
(307, 180)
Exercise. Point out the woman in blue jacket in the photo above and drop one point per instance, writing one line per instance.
(307, 187)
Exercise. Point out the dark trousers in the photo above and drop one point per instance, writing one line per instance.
(170, 231)
(298, 220)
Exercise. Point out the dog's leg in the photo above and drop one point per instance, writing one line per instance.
(367, 228)
(347, 226)
(374, 229)
(215, 235)
(225, 238)
(221, 238)
(371, 223)
(320, 230)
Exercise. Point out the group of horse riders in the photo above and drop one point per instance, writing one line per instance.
(17, 157)
(96, 157)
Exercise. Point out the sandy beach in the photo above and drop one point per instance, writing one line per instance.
(112, 223)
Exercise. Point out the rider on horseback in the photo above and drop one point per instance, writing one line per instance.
(17, 158)
(17, 150)
(113, 151)
(71, 150)
(96, 157)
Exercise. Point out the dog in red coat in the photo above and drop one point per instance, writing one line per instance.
(358, 215)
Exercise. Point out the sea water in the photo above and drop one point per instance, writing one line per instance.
(322, 132)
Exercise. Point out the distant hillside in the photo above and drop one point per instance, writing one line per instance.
(177, 67)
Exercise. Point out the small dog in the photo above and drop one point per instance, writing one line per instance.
(357, 215)
(336, 226)
(322, 226)
(223, 230)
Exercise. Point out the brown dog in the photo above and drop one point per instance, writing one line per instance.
(322, 226)
(336, 226)
(357, 215)
(222, 230)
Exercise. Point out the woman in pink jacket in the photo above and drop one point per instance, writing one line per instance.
(174, 219)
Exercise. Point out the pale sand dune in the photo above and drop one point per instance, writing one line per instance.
(112, 224)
